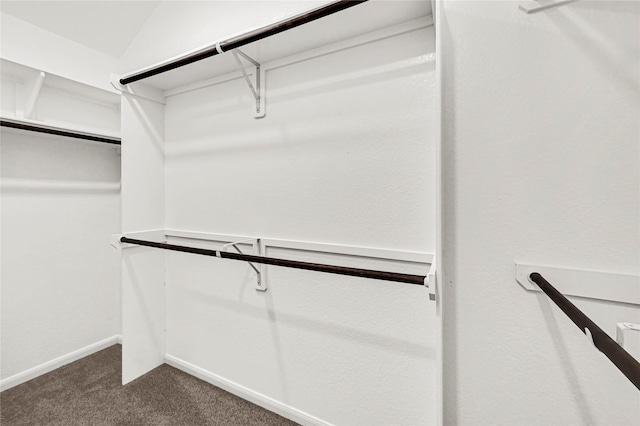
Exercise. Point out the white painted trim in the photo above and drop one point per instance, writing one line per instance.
(376, 253)
(41, 369)
(373, 36)
(259, 399)
(440, 279)
(622, 288)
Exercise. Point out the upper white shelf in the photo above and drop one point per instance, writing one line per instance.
(32, 100)
(357, 20)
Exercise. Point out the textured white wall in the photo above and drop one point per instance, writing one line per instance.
(541, 165)
(59, 274)
(344, 156)
(60, 277)
(339, 160)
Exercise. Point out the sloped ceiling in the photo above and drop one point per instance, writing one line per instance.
(105, 26)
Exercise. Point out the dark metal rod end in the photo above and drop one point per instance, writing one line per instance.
(622, 359)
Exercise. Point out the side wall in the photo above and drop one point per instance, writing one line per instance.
(541, 165)
(143, 268)
(344, 156)
(60, 203)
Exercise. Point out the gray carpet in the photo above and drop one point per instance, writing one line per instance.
(88, 392)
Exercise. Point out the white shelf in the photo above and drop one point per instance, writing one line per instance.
(34, 98)
(23, 185)
(361, 19)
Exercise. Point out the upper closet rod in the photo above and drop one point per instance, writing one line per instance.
(622, 359)
(244, 39)
(331, 269)
(32, 127)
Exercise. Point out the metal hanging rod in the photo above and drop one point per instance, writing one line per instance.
(51, 130)
(626, 363)
(331, 269)
(244, 39)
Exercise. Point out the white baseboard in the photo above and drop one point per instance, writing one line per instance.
(41, 369)
(247, 394)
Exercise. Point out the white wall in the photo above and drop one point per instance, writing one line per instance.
(59, 274)
(60, 204)
(343, 156)
(143, 201)
(343, 161)
(540, 165)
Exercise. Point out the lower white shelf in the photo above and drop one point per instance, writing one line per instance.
(16, 184)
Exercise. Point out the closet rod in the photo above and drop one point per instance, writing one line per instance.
(15, 124)
(331, 269)
(244, 39)
(626, 363)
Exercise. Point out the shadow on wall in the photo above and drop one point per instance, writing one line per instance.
(195, 139)
(311, 325)
(150, 129)
(54, 164)
(606, 47)
(142, 301)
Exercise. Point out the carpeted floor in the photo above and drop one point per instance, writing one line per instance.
(88, 392)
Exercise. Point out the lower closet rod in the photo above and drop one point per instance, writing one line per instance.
(331, 269)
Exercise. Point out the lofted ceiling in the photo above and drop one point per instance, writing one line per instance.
(103, 25)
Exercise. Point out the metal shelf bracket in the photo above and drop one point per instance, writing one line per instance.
(261, 285)
(256, 82)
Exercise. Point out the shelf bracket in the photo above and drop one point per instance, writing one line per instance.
(260, 285)
(534, 6)
(31, 90)
(257, 86)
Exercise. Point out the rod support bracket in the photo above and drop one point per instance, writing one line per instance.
(255, 82)
(430, 280)
(261, 284)
(621, 328)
